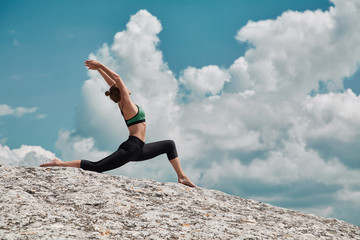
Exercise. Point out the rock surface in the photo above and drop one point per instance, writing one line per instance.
(69, 203)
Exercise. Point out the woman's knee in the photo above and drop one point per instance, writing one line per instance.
(171, 144)
(91, 166)
(171, 152)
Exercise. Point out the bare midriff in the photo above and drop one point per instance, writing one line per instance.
(138, 130)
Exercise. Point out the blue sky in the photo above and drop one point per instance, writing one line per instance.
(214, 52)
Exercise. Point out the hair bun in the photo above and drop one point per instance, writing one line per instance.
(107, 93)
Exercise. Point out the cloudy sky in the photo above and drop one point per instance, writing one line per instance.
(261, 97)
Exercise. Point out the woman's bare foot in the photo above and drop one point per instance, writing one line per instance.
(186, 181)
(53, 163)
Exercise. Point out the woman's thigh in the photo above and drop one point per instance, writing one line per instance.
(151, 150)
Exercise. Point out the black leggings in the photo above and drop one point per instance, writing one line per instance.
(132, 149)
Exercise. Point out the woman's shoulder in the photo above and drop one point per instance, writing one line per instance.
(128, 108)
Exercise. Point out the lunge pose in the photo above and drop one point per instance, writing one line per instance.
(135, 148)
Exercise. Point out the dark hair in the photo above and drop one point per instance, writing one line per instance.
(114, 93)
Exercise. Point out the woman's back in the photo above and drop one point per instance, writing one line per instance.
(134, 117)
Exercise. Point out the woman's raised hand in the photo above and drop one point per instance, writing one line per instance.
(92, 64)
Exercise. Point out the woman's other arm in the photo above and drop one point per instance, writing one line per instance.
(95, 65)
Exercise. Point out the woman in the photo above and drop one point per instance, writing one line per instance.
(134, 149)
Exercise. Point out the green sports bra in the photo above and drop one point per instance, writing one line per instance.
(138, 118)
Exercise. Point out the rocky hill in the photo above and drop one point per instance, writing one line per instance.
(69, 203)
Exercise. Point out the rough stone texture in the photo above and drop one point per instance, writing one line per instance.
(69, 203)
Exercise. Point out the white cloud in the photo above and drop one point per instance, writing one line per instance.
(327, 211)
(6, 110)
(24, 156)
(208, 80)
(332, 126)
(296, 50)
(41, 116)
(16, 43)
(351, 196)
(19, 111)
(15, 77)
(252, 122)
(335, 115)
(77, 148)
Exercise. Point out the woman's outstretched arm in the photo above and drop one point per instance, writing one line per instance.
(106, 77)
